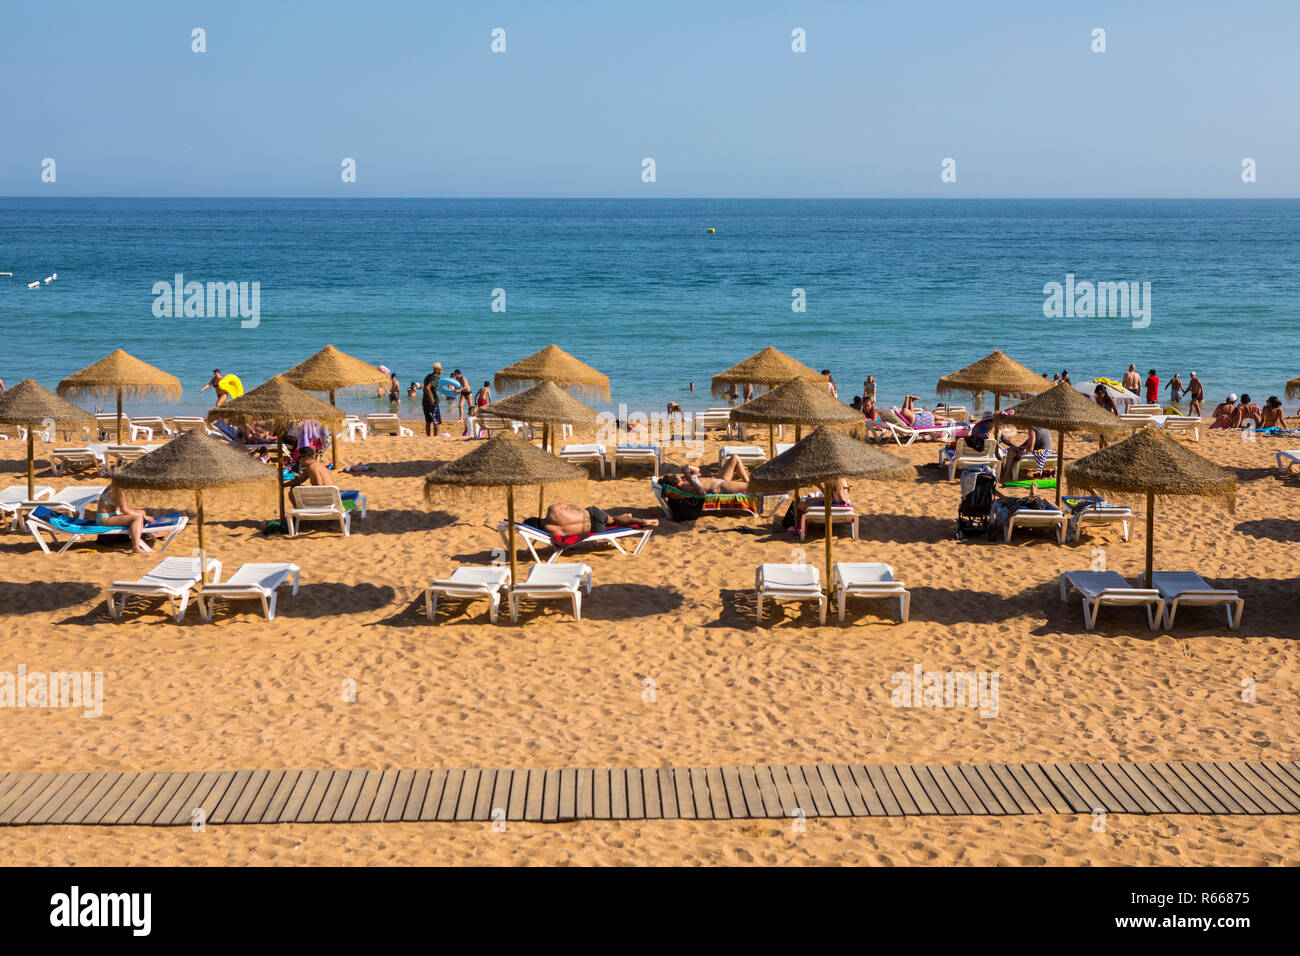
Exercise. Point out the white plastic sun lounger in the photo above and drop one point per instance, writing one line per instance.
(1180, 425)
(185, 423)
(117, 455)
(322, 503)
(469, 584)
(14, 497)
(1149, 410)
(782, 447)
(701, 422)
(78, 456)
(840, 514)
(1189, 589)
(387, 423)
(1287, 461)
(1027, 518)
(585, 455)
(944, 433)
(252, 582)
(72, 500)
(154, 424)
(870, 580)
(42, 521)
(535, 539)
(552, 582)
(654, 454)
(1121, 515)
(749, 454)
(789, 582)
(173, 579)
(964, 455)
(1100, 588)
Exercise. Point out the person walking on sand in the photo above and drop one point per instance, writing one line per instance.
(429, 401)
(1196, 394)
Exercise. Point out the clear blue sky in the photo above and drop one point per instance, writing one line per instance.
(710, 90)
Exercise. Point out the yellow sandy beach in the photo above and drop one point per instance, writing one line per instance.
(555, 692)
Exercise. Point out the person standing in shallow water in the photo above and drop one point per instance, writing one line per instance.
(1196, 394)
(429, 401)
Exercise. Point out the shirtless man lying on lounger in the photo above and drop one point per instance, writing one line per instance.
(564, 519)
(732, 479)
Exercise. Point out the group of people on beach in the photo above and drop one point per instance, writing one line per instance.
(431, 392)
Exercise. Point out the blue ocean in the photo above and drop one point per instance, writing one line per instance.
(906, 290)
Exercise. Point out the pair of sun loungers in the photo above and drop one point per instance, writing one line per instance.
(802, 582)
(1172, 590)
(597, 454)
(177, 580)
(545, 582)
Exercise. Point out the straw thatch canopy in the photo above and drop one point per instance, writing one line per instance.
(1152, 463)
(553, 364)
(544, 404)
(825, 456)
(769, 367)
(1293, 387)
(122, 374)
(279, 402)
(797, 402)
(330, 370)
(996, 373)
(32, 405)
(501, 462)
(193, 461)
(1063, 409)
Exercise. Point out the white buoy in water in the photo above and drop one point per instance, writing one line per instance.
(34, 285)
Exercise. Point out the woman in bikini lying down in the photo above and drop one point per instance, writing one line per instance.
(732, 479)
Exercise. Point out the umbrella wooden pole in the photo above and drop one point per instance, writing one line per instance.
(771, 441)
(119, 416)
(1151, 543)
(826, 504)
(279, 477)
(510, 523)
(31, 462)
(198, 518)
(334, 439)
(1060, 466)
(541, 500)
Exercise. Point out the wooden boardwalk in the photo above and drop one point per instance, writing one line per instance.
(768, 791)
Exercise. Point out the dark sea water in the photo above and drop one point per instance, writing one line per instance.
(907, 290)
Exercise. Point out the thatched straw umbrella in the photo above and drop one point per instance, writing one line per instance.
(798, 402)
(1293, 387)
(33, 406)
(197, 462)
(330, 371)
(502, 462)
(1153, 464)
(120, 373)
(1062, 409)
(553, 364)
(768, 367)
(547, 405)
(822, 459)
(283, 405)
(996, 373)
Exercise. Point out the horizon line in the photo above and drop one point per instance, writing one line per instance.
(700, 198)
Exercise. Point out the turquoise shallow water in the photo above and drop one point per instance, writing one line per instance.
(904, 289)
